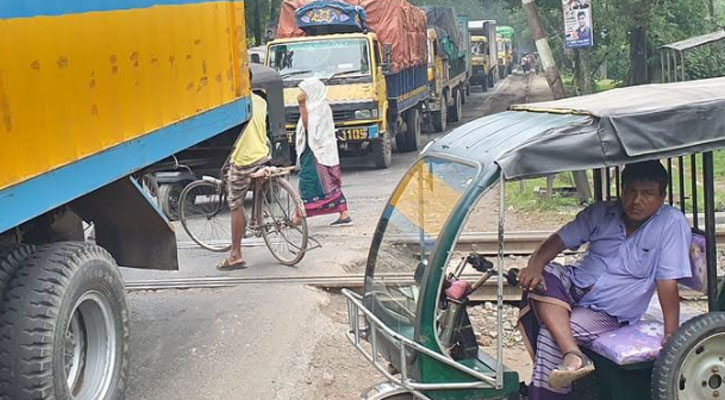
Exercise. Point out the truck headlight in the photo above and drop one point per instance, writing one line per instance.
(366, 114)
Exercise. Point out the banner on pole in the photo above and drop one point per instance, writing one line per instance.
(577, 23)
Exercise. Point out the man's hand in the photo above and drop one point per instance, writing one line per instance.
(529, 278)
(532, 275)
(666, 338)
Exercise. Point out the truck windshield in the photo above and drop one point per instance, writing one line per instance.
(479, 48)
(412, 223)
(321, 59)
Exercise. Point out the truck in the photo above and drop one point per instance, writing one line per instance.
(91, 94)
(505, 41)
(371, 54)
(484, 52)
(448, 70)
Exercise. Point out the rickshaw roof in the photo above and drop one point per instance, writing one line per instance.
(606, 129)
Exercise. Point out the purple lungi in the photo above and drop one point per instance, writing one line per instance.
(586, 325)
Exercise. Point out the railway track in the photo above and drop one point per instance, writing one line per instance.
(487, 292)
(515, 243)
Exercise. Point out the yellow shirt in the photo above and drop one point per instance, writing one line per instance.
(252, 146)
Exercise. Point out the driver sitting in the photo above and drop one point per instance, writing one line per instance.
(636, 245)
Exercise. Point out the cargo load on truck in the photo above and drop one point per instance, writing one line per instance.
(443, 20)
(395, 22)
(372, 55)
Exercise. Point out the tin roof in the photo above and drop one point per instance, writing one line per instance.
(696, 41)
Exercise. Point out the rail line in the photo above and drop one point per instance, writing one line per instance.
(515, 243)
(487, 292)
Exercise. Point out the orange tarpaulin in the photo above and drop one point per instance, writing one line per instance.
(395, 22)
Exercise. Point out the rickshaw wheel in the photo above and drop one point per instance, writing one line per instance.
(692, 363)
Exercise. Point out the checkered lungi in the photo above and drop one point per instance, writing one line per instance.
(239, 178)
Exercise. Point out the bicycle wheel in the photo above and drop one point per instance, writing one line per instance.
(205, 215)
(278, 203)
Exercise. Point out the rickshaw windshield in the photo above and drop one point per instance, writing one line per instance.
(411, 224)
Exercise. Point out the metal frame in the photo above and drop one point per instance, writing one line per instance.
(375, 326)
(673, 70)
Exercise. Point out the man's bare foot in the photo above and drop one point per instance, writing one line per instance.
(572, 362)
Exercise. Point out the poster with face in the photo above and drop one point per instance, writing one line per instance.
(577, 23)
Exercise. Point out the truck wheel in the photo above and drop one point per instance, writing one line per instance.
(691, 365)
(10, 260)
(502, 72)
(484, 85)
(468, 90)
(414, 125)
(456, 111)
(383, 151)
(168, 199)
(64, 326)
(491, 79)
(440, 118)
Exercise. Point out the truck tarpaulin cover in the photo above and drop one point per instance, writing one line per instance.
(395, 22)
(443, 19)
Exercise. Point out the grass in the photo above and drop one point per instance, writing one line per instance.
(533, 199)
(602, 85)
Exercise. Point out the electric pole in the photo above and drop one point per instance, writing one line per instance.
(551, 71)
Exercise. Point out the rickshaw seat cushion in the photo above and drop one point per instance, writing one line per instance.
(631, 344)
(698, 264)
(638, 342)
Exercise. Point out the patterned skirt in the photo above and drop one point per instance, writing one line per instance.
(320, 186)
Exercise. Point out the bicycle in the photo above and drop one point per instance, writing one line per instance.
(204, 214)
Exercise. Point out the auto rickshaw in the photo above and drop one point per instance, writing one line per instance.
(168, 178)
(414, 328)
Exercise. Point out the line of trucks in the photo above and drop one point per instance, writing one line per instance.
(390, 67)
(96, 95)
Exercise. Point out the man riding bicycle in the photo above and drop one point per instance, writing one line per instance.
(251, 152)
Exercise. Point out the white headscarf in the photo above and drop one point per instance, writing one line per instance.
(321, 127)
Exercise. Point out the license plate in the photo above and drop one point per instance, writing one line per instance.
(348, 134)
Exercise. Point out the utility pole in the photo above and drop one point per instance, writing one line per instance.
(553, 78)
(551, 71)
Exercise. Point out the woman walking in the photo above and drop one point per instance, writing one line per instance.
(320, 177)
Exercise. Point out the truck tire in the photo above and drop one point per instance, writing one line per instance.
(168, 198)
(484, 84)
(64, 326)
(440, 117)
(501, 72)
(690, 364)
(455, 112)
(491, 79)
(382, 151)
(412, 135)
(10, 260)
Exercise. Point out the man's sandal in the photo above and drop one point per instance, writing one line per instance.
(561, 376)
(226, 265)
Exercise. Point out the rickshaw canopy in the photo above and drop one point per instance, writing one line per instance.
(600, 130)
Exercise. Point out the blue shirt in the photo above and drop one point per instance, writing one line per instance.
(623, 271)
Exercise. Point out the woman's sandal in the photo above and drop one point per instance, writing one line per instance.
(561, 376)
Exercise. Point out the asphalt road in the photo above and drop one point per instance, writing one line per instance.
(253, 341)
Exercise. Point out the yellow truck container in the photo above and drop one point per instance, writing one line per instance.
(92, 91)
